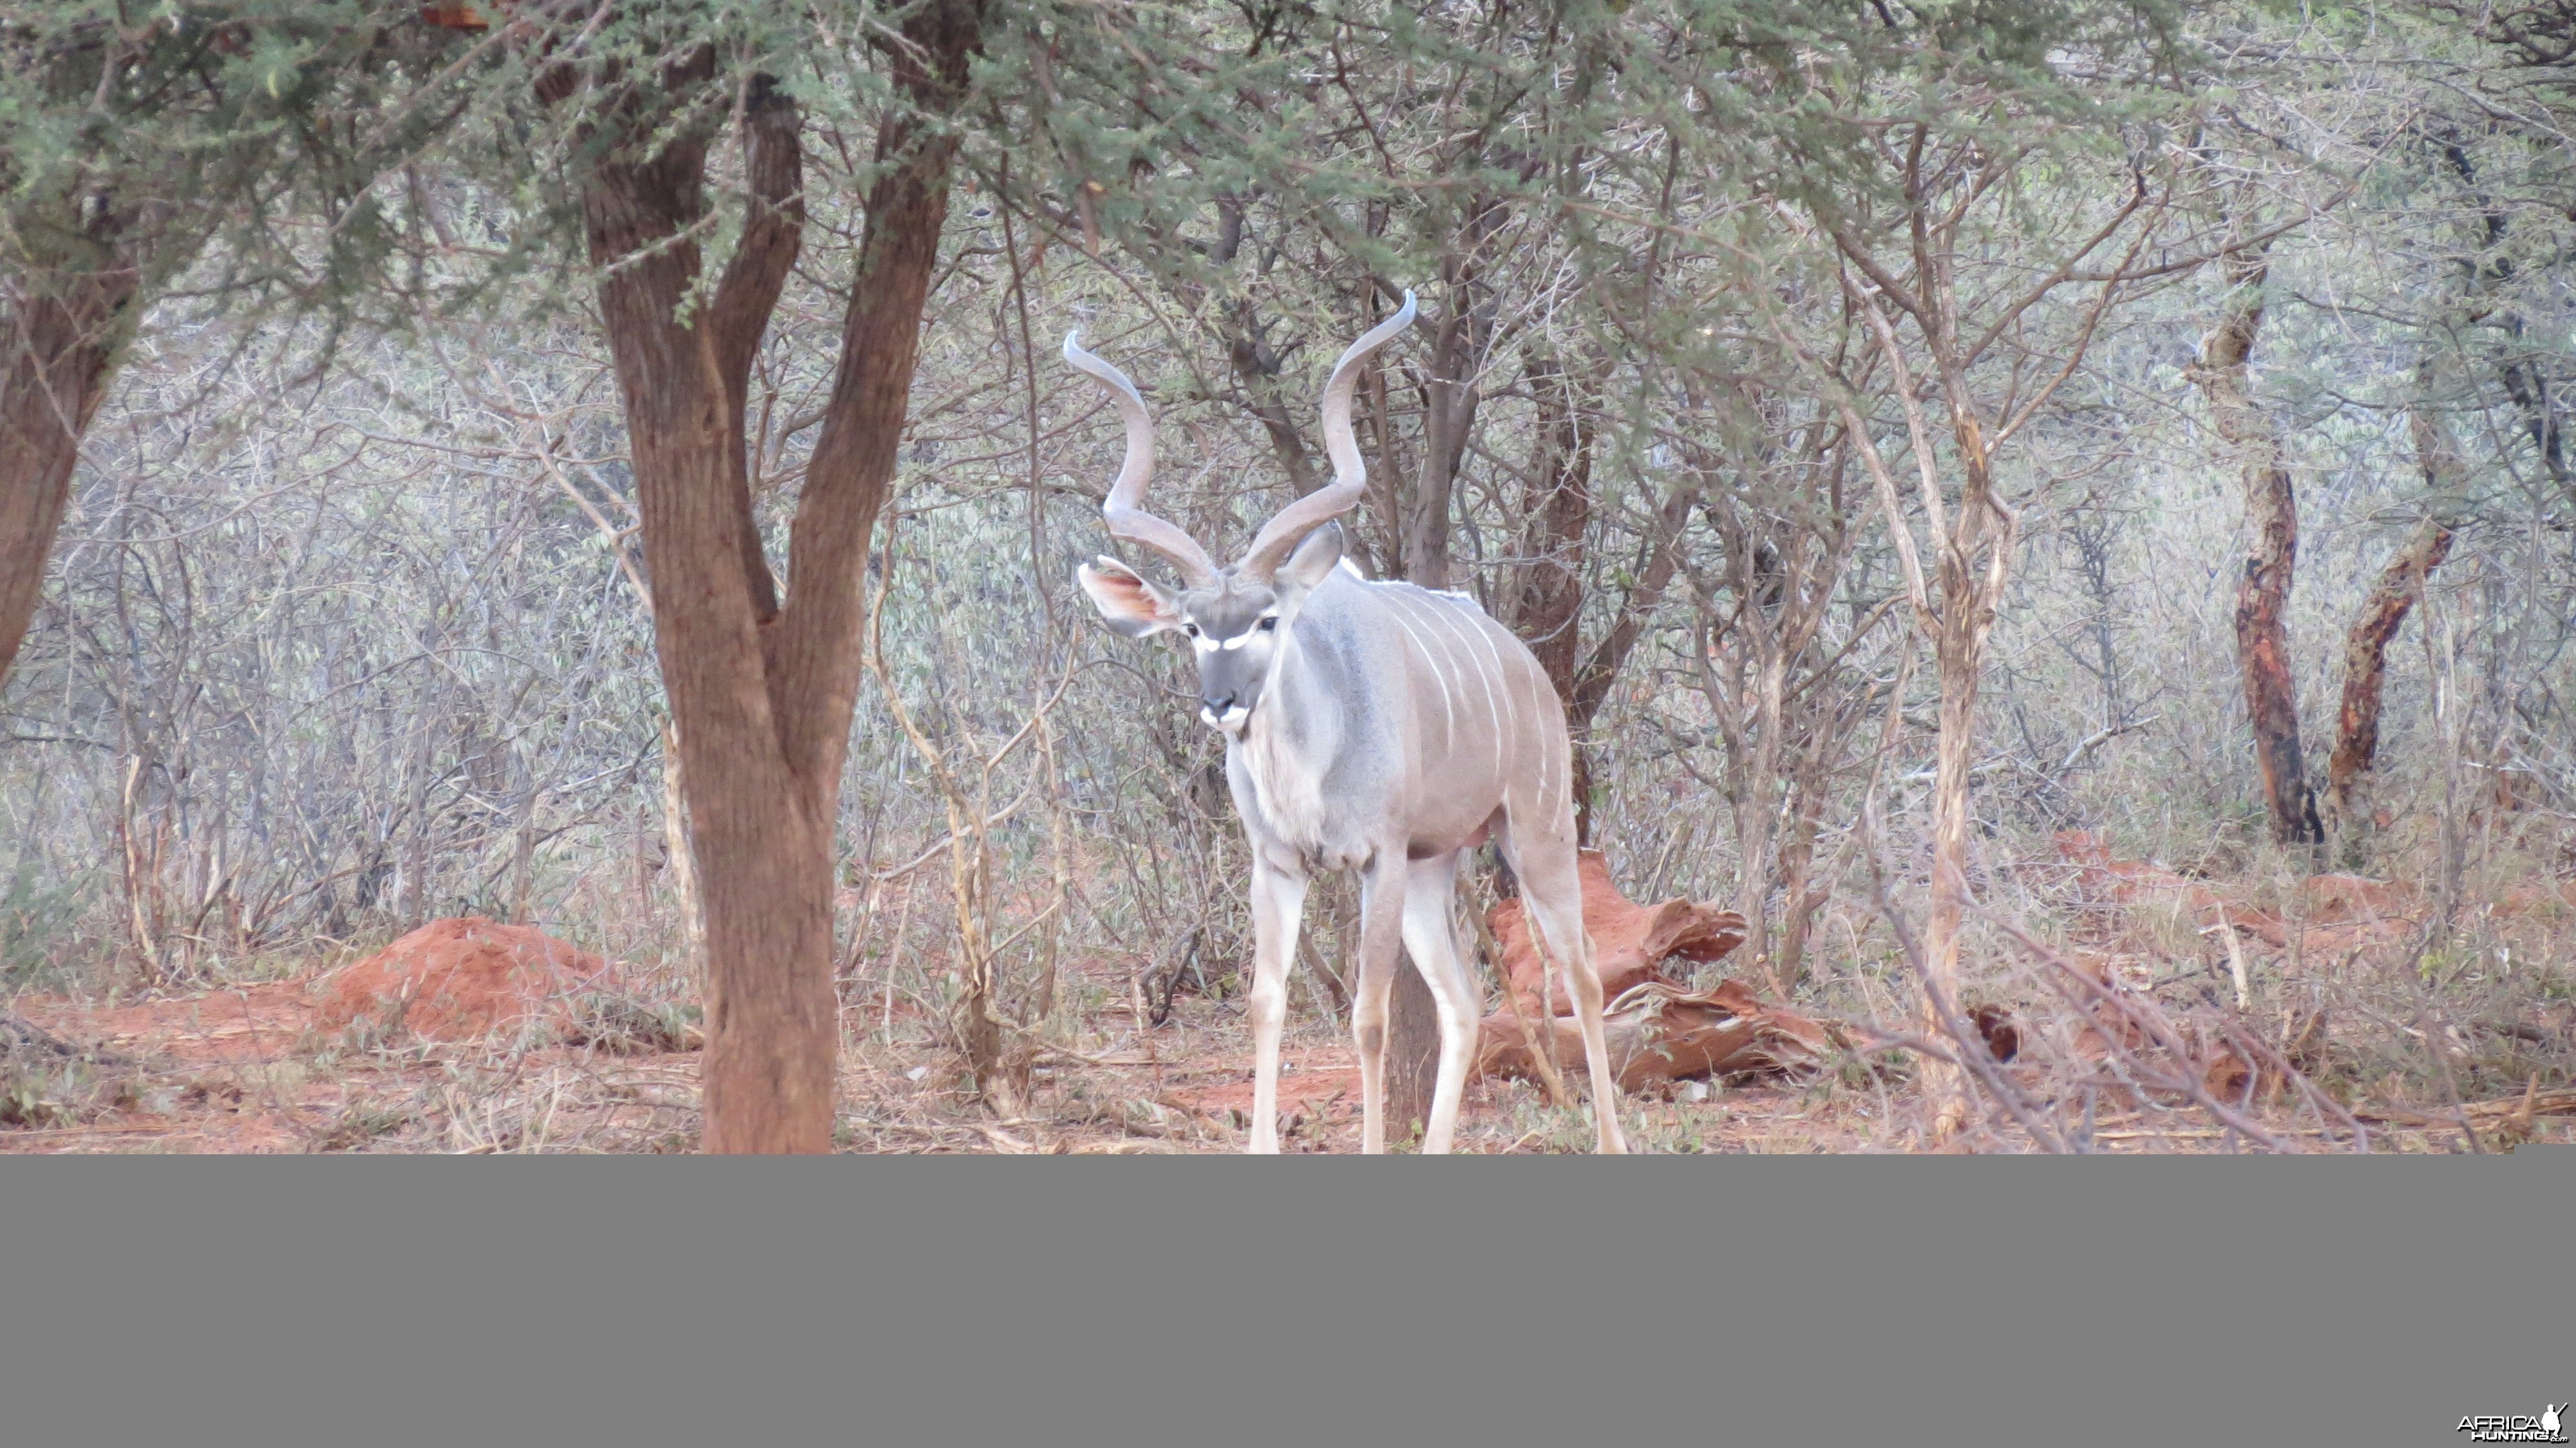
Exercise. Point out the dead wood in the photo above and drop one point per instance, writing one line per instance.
(1629, 941)
(1660, 1032)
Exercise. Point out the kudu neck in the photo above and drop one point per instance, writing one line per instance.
(1299, 715)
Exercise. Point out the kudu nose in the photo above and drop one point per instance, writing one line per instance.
(1218, 704)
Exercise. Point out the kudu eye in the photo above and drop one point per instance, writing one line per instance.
(1191, 629)
(1270, 624)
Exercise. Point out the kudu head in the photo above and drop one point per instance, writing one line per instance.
(1237, 618)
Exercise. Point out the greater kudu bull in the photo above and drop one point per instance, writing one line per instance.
(1371, 726)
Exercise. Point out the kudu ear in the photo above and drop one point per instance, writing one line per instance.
(1131, 603)
(1314, 559)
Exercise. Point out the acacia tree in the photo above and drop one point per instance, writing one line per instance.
(762, 680)
(249, 129)
(1955, 287)
(1776, 631)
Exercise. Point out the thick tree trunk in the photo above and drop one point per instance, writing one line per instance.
(62, 333)
(763, 852)
(2365, 653)
(762, 695)
(2263, 596)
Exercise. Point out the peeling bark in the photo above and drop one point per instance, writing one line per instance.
(2263, 595)
(2365, 654)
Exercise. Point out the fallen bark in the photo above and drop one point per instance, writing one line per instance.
(1660, 1032)
(1629, 941)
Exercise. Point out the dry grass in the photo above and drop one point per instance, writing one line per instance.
(238, 1069)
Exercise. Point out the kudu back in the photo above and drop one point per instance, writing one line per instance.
(1372, 726)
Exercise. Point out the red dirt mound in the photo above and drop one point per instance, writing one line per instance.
(454, 979)
(2343, 911)
(1628, 940)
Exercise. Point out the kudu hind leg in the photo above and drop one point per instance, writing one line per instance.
(1431, 939)
(1552, 894)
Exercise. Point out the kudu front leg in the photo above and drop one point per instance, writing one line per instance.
(1278, 906)
(1381, 933)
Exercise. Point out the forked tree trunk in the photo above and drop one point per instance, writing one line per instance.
(1450, 395)
(762, 694)
(62, 333)
(2365, 652)
(1547, 587)
(2263, 595)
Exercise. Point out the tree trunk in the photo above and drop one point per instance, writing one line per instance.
(1451, 396)
(1986, 532)
(1546, 598)
(2365, 653)
(2365, 661)
(62, 332)
(2263, 596)
(762, 695)
(1959, 652)
(1657, 559)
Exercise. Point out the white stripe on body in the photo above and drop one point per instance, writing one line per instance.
(1543, 707)
(1548, 768)
(1433, 657)
(1493, 702)
(1484, 626)
(1428, 631)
